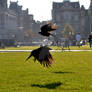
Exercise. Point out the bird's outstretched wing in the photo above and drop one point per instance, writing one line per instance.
(34, 53)
(47, 28)
(44, 52)
(43, 56)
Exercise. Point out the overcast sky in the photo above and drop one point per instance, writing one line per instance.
(41, 9)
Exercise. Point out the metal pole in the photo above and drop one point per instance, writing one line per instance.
(90, 25)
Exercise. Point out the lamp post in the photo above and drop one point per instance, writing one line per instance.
(90, 27)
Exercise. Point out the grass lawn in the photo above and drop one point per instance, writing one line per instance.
(71, 72)
(20, 48)
(85, 47)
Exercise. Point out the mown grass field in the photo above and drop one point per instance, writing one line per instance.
(71, 72)
(84, 47)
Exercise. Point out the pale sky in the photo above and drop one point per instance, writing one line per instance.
(41, 9)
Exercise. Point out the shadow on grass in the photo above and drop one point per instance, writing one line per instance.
(60, 72)
(49, 86)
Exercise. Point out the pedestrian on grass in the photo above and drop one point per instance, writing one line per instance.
(90, 39)
(78, 39)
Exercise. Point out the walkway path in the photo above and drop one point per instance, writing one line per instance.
(31, 50)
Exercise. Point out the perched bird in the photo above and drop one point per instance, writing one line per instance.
(43, 56)
(47, 28)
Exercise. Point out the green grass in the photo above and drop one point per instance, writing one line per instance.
(71, 72)
(21, 48)
(86, 47)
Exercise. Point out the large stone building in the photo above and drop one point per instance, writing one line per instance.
(8, 24)
(90, 16)
(16, 24)
(70, 14)
(26, 23)
(24, 20)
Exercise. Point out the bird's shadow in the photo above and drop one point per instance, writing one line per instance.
(53, 85)
(60, 72)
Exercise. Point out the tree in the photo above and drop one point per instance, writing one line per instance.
(68, 31)
(28, 34)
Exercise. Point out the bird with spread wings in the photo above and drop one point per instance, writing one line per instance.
(43, 54)
(47, 29)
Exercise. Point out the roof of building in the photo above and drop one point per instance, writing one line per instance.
(61, 4)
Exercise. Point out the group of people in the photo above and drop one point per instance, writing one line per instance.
(78, 39)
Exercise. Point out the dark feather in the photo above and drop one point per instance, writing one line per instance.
(46, 29)
(43, 56)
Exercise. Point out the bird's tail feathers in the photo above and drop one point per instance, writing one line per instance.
(29, 57)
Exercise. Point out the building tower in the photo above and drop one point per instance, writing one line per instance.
(90, 4)
(3, 3)
(90, 15)
(90, 7)
(66, 0)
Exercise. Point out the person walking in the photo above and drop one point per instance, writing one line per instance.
(78, 39)
(90, 39)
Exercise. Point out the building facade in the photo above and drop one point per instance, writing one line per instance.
(16, 24)
(90, 16)
(70, 14)
(8, 24)
(26, 22)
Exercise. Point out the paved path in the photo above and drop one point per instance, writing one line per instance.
(31, 50)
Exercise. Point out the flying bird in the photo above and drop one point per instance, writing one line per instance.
(47, 28)
(43, 56)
